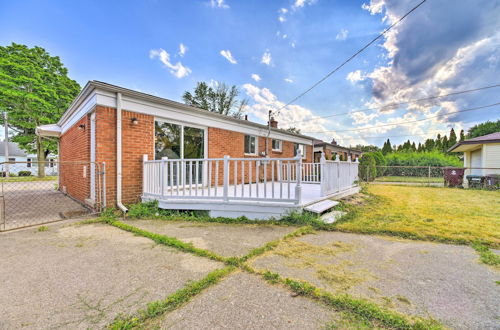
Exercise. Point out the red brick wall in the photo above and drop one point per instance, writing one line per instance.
(137, 140)
(74, 150)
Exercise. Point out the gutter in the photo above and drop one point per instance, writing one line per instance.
(119, 153)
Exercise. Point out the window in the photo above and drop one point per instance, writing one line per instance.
(28, 162)
(12, 160)
(51, 161)
(276, 145)
(302, 149)
(167, 140)
(250, 145)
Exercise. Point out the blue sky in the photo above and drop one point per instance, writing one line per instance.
(274, 50)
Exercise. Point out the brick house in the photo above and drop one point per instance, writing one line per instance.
(333, 149)
(89, 131)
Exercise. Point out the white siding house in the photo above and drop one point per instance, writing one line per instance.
(481, 154)
(18, 160)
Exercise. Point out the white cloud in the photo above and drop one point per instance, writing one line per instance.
(182, 50)
(283, 10)
(302, 3)
(281, 19)
(355, 76)
(218, 4)
(176, 69)
(342, 35)
(255, 77)
(227, 54)
(292, 115)
(289, 80)
(285, 36)
(266, 58)
(293, 44)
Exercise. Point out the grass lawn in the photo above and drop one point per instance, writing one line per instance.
(28, 179)
(422, 179)
(429, 213)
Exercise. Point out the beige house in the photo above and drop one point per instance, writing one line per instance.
(481, 154)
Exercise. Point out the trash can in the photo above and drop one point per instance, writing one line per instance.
(453, 176)
(475, 181)
(492, 181)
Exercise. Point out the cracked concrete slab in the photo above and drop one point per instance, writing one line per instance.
(227, 240)
(83, 276)
(244, 301)
(445, 282)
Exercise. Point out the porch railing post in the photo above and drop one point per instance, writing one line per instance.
(349, 164)
(298, 168)
(226, 178)
(322, 174)
(337, 159)
(144, 177)
(162, 176)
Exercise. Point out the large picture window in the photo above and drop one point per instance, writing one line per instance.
(167, 140)
(250, 145)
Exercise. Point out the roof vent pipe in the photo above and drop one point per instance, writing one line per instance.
(119, 153)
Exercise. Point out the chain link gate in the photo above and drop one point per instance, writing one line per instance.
(33, 193)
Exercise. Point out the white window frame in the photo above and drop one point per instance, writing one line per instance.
(280, 145)
(183, 124)
(302, 147)
(256, 145)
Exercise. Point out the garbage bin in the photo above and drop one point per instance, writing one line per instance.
(492, 181)
(453, 176)
(475, 181)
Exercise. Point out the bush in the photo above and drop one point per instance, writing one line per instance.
(429, 158)
(24, 173)
(367, 167)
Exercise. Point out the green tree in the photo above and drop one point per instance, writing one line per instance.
(367, 167)
(221, 99)
(294, 130)
(483, 129)
(453, 138)
(34, 90)
(387, 148)
(444, 144)
(462, 135)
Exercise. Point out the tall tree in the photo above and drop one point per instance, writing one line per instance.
(387, 148)
(221, 99)
(483, 129)
(34, 90)
(462, 135)
(293, 129)
(453, 138)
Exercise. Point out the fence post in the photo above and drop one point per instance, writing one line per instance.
(429, 176)
(349, 164)
(226, 178)
(337, 160)
(144, 177)
(322, 163)
(298, 169)
(162, 176)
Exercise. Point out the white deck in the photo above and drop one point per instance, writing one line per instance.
(277, 186)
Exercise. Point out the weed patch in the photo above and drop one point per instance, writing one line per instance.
(486, 255)
(42, 228)
(172, 302)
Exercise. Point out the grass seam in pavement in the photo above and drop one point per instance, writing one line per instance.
(486, 256)
(345, 302)
(173, 301)
(170, 241)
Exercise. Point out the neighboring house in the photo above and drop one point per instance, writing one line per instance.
(18, 160)
(332, 149)
(481, 154)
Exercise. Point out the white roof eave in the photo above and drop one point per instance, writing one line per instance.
(51, 130)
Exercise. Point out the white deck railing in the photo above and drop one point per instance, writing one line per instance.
(337, 176)
(243, 179)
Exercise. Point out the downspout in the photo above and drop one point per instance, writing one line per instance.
(119, 153)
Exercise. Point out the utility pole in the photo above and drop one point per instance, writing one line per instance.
(268, 131)
(6, 143)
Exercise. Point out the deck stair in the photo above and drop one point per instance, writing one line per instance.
(321, 206)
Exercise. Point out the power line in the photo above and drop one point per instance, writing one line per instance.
(350, 58)
(398, 104)
(408, 122)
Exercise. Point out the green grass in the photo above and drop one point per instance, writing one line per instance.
(28, 179)
(486, 255)
(446, 215)
(181, 297)
(418, 179)
(42, 228)
(359, 307)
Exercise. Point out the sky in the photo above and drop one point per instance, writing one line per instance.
(275, 50)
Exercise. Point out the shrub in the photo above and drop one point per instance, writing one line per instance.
(24, 173)
(367, 167)
(430, 158)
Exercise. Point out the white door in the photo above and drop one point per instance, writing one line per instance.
(475, 162)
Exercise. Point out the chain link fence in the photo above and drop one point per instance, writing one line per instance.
(470, 177)
(33, 193)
